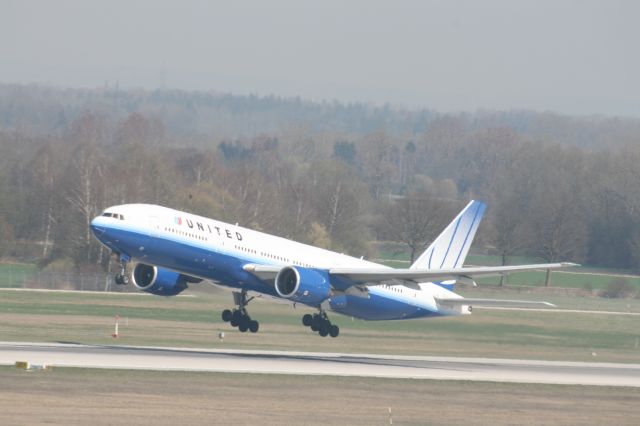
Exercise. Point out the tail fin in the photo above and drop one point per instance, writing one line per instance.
(450, 249)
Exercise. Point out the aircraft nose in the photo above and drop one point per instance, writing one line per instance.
(96, 228)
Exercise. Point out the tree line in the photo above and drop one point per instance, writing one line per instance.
(66, 155)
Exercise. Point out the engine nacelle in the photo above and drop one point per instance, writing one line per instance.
(158, 281)
(304, 285)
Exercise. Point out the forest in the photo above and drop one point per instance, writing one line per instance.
(340, 176)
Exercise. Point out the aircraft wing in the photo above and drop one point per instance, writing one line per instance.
(376, 276)
(264, 272)
(489, 302)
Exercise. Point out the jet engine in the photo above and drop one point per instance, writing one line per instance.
(304, 285)
(158, 281)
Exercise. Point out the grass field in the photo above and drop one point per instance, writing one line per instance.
(13, 275)
(113, 397)
(195, 322)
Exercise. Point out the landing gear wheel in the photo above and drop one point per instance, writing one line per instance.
(307, 320)
(236, 316)
(121, 279)
(321, 324)
(226, 315)
(240, 317)
(334, 331)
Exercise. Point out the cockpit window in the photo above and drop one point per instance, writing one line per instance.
(113, 215)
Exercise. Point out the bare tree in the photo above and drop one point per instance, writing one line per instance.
(377, 164)
(414, 220)
(339, 202)
(44, 172)
(556, 206)
(84, 195)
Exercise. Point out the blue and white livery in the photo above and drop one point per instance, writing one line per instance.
(172, 249)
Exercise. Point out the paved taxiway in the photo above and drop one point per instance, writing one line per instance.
(333, 364)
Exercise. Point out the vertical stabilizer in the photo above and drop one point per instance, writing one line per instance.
(450, 249)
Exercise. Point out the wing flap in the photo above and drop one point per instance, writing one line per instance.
(264, 272)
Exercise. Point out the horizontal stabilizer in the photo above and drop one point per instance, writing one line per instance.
(490, 302)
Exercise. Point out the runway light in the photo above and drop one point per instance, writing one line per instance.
(115, 332)
(23, 365)
(26, 365)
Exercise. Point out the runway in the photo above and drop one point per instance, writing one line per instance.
(332, 364)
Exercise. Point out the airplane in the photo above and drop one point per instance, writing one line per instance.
(172, 249)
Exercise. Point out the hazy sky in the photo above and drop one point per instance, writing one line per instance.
(576, 57)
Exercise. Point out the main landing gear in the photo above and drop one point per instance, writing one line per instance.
(240, 317)
(121, 277)
(320, 323)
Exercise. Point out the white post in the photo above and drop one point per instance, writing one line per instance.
(115, 333)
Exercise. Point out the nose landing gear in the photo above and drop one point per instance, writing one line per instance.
(240, 317)
(122, 278)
